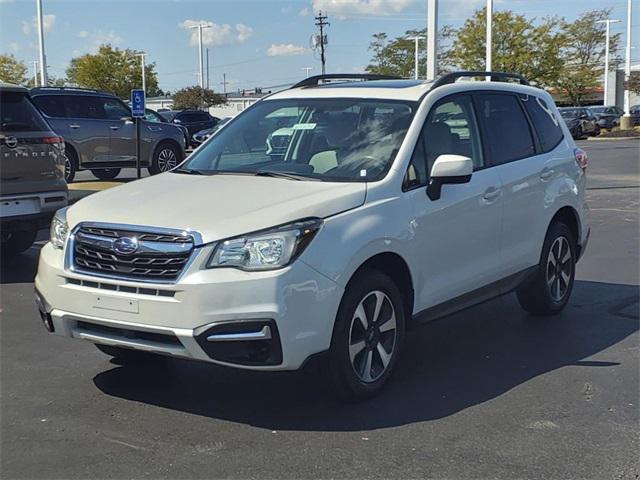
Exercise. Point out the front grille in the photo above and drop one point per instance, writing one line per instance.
(157, 256)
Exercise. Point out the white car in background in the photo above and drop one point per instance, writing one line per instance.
(378, 215)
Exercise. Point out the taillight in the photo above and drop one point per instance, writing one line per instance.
(53, 140)
(581, 158)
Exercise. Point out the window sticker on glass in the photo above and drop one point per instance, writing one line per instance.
(304, 126)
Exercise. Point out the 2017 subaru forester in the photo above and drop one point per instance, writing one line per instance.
(388, 202)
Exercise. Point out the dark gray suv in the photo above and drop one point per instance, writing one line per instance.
(32, 160)
(100, 134)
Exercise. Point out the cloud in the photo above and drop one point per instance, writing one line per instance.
(285, 50)
(344, 8)
(48, 21)
(304, 12)
(460, 9)
(101, 37)
(14, 46)
(216, 35)
(83, 34)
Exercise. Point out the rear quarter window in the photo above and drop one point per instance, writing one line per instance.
(18, 114)
(545, 121)
(51, 105)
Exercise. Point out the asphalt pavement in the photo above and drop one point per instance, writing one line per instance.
(486, 393)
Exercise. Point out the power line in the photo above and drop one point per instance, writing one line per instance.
(321, 23)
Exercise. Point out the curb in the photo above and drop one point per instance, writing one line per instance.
(611, 139)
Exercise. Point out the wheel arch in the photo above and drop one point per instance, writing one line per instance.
(166, 141)
(569, 216)
(74, 149)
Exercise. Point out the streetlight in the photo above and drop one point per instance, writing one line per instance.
(489, 47)
(417, 39)
(432, 39)
(608, 22)
(625, 121)
(307, 70)
(144, 80)
(200, 26)
(43, 63)
(35, 73)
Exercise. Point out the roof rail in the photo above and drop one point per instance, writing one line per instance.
(452, 77)
(71, 89)
(315, 80)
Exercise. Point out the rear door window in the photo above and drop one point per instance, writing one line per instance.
(51, 105)
(545, 121)
(84, 106)
(506, 132)
(18, 114)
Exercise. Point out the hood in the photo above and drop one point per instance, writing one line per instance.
(217, 206)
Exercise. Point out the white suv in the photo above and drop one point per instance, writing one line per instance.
(387, 203)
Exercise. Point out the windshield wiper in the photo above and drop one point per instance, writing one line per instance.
(289, 176)
(188, 171)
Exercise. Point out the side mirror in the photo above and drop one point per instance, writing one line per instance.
(127, 120)
(448, 169)
(177, 120)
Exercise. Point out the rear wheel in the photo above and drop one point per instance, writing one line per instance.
(367, 336)
(18, 242)
(106, 173)
(548, 291)
(70, 164)
(166, 157)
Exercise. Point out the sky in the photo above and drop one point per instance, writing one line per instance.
(262, 43)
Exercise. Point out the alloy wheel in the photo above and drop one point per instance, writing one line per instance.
(167, 160)
(67, 168)
(559, 268)
(372, 336)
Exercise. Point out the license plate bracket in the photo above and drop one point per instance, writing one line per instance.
(107, 302)
(19, 206)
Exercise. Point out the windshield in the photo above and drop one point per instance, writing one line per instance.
(599, 109)
(323, 139)
(569, 112)
(168, 115)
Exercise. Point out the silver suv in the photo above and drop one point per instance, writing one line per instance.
(99, 133)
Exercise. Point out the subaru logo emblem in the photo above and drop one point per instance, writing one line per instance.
(126, 245)
(11, 142)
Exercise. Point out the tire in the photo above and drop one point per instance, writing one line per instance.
(356, 373)
(18, 242)
(71, 164)
(165, 157)
(596, 131)
(106, 173)
(579, 133)
(549, 289)
(128, 355)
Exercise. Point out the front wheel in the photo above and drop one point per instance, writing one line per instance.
(166, 157)
(70, 164)
(106, 173)
(367, 336)
(548, 291)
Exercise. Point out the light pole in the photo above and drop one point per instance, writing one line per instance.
(200, 26)
(489, 40)
(35, 73)
(608, 23)
(43, 62)
(625, 121)
(417, 39)
(144, 80)
(432, 39)
(307, 70)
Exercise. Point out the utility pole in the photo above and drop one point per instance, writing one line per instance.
(144, 79)
(207, 68)
(321, 22)
(432, 40)
(44, 81)
(489, 40)
(35, 73)
(200, 26)
(608, 23)
(625, 121)
(224, 83)
(416, 70)
(307, 70)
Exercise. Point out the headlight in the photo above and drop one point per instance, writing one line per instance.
(266, 250)
(59, 228)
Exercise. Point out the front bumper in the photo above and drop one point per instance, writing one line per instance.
(297, 304)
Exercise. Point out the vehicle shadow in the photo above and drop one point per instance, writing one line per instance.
(22, 268)
(447, 366)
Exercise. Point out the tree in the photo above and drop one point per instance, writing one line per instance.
(582, 54)
(113, 70)
(520, 45)
(397, 56)
(633, 84)
(196, 97)
(12, 70)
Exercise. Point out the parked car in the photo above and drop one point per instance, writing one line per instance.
(199, 137)
(193, 120)
(153, 116)
(635, 114)
(607, 117)
(580, 121)
(32, 185)
(100, 134)
(396, 202)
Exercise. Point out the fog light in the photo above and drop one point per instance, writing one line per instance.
(44, 315)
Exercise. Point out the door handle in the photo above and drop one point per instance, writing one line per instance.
(546, 173)
(113, 127)
(491, 194)
(74, 125)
